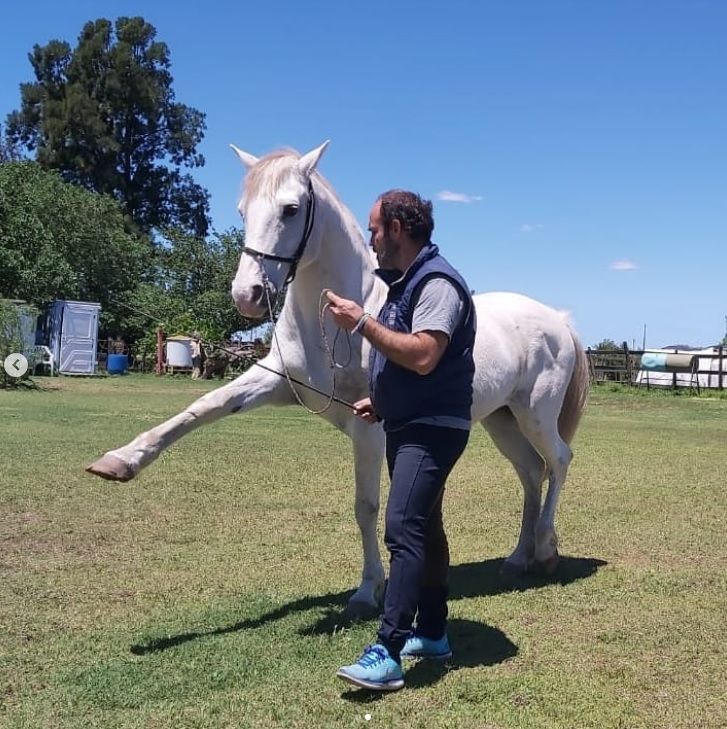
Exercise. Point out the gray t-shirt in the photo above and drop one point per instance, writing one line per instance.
(439, 307)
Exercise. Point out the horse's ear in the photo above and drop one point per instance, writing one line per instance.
(307, 163)
(249, 160)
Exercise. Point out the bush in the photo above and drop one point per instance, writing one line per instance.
(11, 339)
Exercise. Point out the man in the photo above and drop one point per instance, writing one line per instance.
(196, 356)
(420, 383)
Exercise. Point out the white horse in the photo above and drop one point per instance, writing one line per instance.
(530, 384)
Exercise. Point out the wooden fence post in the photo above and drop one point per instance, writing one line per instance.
(160, 352)
(628, 364)
(591, 368)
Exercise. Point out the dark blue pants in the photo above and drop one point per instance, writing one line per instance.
(420, 458)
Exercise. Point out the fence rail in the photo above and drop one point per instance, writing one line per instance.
(624, 365)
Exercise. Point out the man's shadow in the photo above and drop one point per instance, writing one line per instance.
(474, 579)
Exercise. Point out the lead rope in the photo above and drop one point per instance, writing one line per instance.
(330, 351)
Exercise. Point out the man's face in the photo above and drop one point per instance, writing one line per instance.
(386, 248)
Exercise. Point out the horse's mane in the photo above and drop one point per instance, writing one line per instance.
(266, 177)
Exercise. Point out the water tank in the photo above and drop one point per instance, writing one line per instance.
(117, 364)
(179, 352)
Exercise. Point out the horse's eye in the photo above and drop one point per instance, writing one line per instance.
(289, 210)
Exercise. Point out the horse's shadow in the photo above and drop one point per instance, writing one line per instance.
(483, 579)
(475, 579)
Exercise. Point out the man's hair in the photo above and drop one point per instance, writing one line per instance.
(414, 214)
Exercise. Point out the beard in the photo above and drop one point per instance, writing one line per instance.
(387, 254)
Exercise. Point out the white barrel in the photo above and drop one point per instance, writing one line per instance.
(179, 352)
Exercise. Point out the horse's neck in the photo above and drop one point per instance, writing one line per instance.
(344, 264)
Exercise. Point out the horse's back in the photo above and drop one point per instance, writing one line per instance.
(518, 339)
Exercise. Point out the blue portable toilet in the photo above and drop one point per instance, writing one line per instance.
(72, 332)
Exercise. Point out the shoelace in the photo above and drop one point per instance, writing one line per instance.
(372, 655)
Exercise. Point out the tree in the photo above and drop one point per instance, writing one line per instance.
(58, 240)
(11, 337)
(104, 115)
(8, 150)
(190, 288)
(607, 345)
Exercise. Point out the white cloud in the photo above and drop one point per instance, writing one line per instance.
(530, 227)
(623, 266)
(460, 197)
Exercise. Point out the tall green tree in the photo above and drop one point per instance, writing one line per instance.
(104, 115)
(58, 240)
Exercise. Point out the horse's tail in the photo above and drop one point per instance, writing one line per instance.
(576, 395)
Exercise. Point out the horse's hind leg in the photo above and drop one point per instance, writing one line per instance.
(530, 467)
(539, 423)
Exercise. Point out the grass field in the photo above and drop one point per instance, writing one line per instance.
(209, 592)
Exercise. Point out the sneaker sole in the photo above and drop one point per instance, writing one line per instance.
(393, 685)
(430, 656)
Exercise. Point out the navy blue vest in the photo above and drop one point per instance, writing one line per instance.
(399, 395)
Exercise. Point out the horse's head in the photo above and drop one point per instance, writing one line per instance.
(278, 207)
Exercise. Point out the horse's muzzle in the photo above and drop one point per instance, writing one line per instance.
(254, 302)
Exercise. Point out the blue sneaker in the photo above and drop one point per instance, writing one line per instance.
(417, 646)
(375, 670)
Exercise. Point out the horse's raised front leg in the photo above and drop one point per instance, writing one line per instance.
(252, 389)
(368, 453)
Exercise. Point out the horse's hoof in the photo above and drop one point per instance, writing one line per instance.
(361, 610)
(550, 565)
(111, 468)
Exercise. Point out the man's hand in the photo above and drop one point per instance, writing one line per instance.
(364, 409)
(419, 352)
(345, 313)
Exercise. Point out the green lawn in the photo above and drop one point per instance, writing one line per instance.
(209, 592)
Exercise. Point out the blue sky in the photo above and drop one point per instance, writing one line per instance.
(583, 146)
